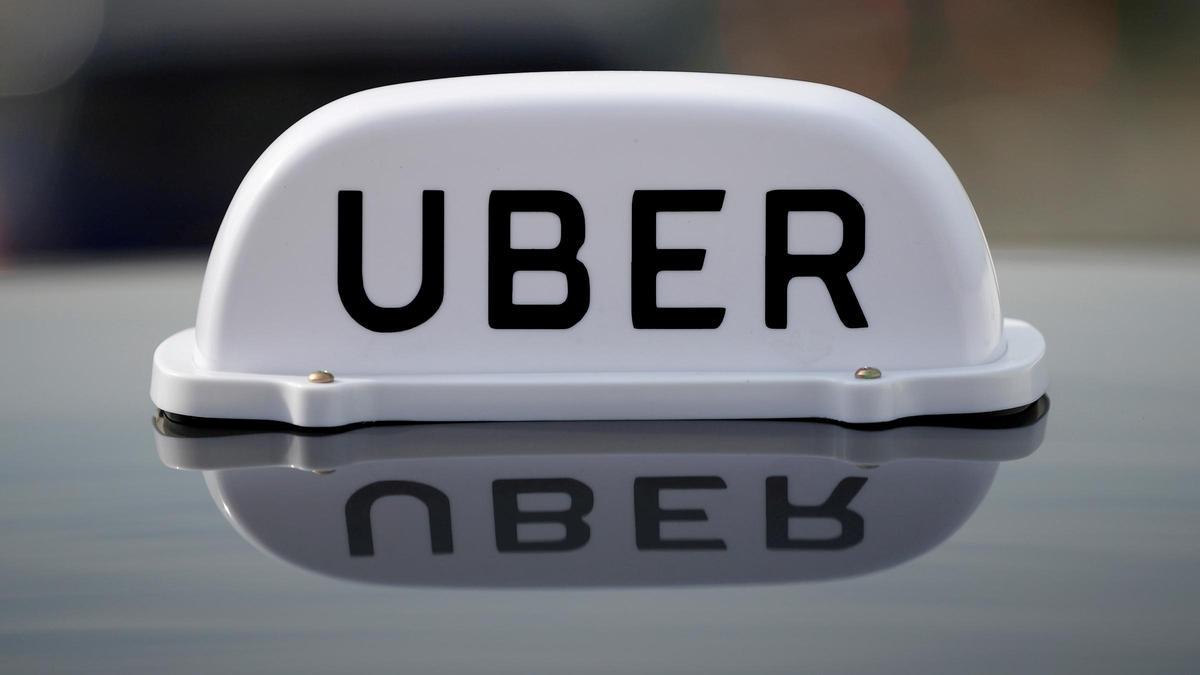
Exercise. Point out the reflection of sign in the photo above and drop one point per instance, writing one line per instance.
(599, 246)
(599, 503)
(649, 514)
(601, 520)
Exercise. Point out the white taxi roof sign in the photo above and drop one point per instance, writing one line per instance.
(602, 245)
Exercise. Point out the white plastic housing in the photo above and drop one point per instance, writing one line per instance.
(270, 311)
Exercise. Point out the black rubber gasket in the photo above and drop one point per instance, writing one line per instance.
(186, 426)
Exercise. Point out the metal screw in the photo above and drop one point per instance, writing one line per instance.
(320, 377)
(323, 472)
(867, 373)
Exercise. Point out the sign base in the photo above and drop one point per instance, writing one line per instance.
(1016, 379)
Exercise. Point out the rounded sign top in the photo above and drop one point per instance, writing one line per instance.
(607, 244)
(912, 286)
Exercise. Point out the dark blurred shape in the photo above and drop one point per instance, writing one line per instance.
(147, 144)
(129, 124)
(158, 154)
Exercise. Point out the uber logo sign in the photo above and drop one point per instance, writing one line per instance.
(649, 303)
(649, 514)
(780, 266)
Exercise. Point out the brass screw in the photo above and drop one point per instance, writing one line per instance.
(867, 373)
(320, 377)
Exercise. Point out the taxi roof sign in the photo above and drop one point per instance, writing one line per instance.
(602, 245)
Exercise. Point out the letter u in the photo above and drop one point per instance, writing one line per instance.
(350, 266)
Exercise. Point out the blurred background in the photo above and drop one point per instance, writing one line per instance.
(127, 125)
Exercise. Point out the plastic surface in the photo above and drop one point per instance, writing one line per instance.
(673, 187)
